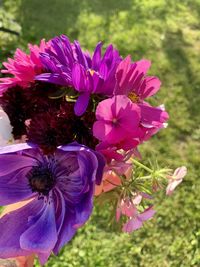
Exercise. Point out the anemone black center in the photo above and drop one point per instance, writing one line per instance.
(41, 179)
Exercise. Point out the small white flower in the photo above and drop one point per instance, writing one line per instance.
(162, 107)
(5, 129)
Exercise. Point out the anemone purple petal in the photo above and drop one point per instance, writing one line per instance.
(41, 236)
(13, 225)
(60, 189)
(13, 187)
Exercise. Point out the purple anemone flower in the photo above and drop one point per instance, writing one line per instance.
(68, 65)
(59, 189)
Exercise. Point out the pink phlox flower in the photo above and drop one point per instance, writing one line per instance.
(125, 207)
(120, 168)
(109, 153)
(24, 67)
(136, 153)
(135, 222)
(119, 152)
(137, 199)
(175, 179)
(117, 120)
(138, 196)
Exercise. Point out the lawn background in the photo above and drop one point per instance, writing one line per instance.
(167, 33)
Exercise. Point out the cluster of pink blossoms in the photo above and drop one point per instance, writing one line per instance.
(23, 67)
(59, 94)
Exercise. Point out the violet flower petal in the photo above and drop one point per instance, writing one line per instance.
(80, 55)
(81, 103)
(15, 148)
(12, 225)
(64, 222)
(10, 163)
(96, 59)
(79, 78)
(14, 187)
(38, 238)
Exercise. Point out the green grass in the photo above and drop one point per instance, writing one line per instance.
(167, 33)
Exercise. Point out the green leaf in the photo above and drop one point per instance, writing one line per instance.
(58, 93)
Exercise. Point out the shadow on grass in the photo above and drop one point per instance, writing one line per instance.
(176, 49)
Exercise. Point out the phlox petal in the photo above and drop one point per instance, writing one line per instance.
(180, 172)
(172, 185)
(38, 238)
(147, 214)
(132, 225)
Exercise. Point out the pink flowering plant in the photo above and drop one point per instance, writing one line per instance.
(71, 125)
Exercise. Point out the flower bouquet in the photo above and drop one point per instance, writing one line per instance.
(70, 128)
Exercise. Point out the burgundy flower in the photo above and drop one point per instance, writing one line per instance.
(59, 126)
(14, 103)
(21, 105)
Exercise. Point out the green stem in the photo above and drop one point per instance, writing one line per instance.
(145, 177)
(141, 165)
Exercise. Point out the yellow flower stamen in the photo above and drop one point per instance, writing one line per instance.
(91, 72)
(133, 97)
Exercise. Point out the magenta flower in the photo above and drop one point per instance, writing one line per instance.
(68, 65)
(136, 220)
(133, 82)
(110, 152)
(176, 179)
(60, 191)
(23, 67)
(117, 120)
